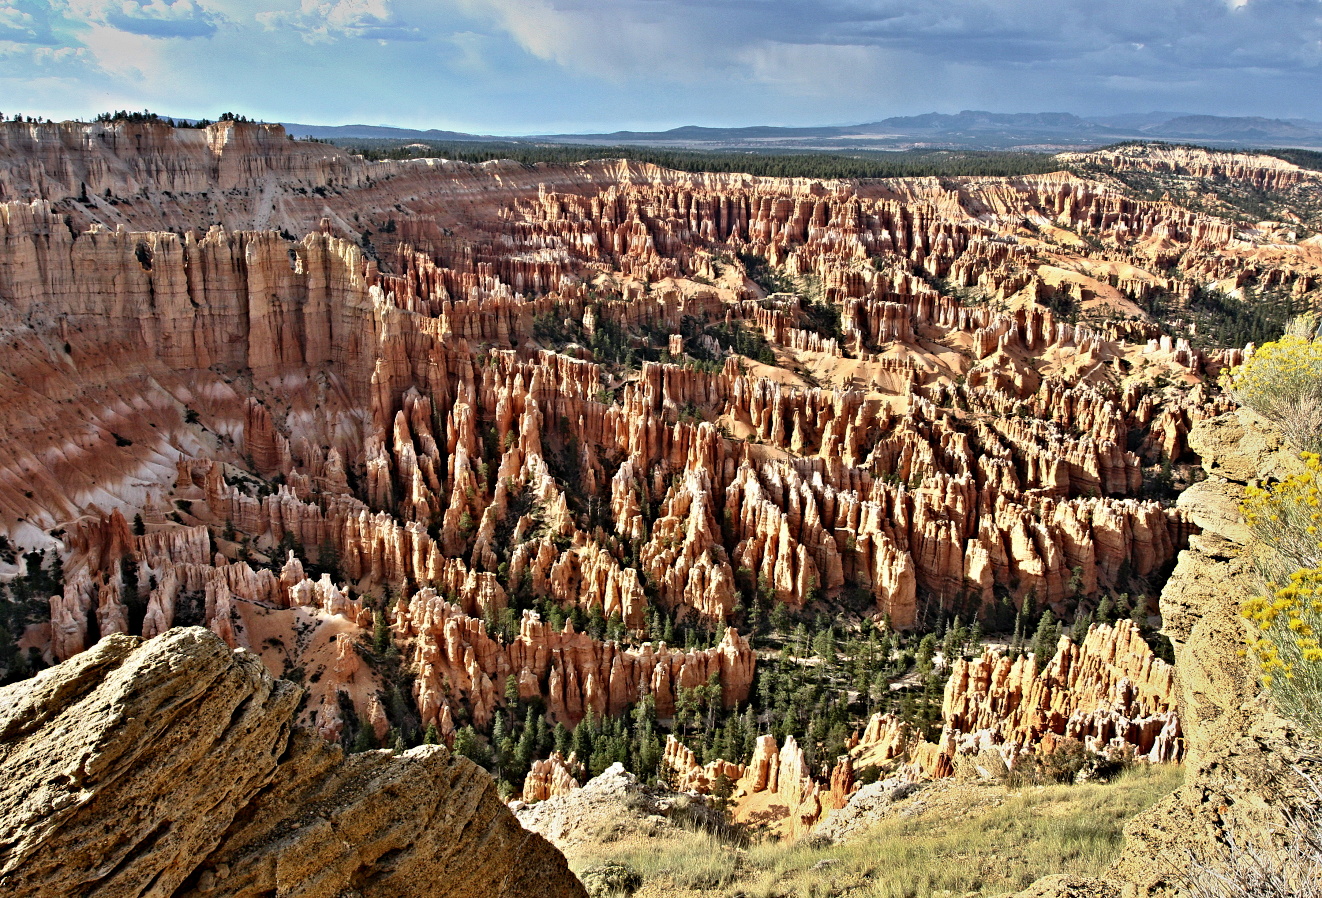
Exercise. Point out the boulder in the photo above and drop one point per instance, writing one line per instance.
(171, 767)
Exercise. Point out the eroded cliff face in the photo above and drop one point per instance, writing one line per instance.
(1245, 764)
(172, 767)
(1108, 692)
(70, 158)
(437, 407)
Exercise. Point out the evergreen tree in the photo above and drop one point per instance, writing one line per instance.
(564, 743)
(975, 639)
(1045, 639)
(364, 739)
(1081, 624)
(380, 633)
(1139, 613)
(926, 651)
(468, 744)
(823, 645)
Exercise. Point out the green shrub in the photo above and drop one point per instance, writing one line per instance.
(1069, 762)
(610, 879)
(1282, 381)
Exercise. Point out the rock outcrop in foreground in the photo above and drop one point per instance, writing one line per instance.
(614, 807)
(170, 767)
(1246, 765)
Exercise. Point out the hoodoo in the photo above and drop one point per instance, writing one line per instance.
(347, 500)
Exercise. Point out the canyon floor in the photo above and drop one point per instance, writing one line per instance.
(951, 838)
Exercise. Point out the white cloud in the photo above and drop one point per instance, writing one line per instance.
(319, 21)
(152, 18)
(815, 70)
(20, 25)
(618, 40)
(522, 64)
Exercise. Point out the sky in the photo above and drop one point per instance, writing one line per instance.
(551, 66)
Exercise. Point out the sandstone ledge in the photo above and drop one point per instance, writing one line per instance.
(171, 767)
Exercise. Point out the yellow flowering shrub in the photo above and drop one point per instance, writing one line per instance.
(1285, 642)
(1282, 381)
(1286, 521)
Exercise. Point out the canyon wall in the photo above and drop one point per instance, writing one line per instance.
(1246, 765)
(1108, 693)
(314, 403)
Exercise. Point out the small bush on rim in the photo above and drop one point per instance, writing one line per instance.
(1282, 381)
(1286, 522)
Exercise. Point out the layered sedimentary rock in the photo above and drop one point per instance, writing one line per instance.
(1260, 172)
(837, 526)
(462, 401)
(776, 783)
(458, 662)
(170, 766)
(1108, 692)
(690, 776)
(1246, 766)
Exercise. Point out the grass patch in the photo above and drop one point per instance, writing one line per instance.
(1001, 849)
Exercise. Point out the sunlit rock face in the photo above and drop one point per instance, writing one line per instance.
(312, 403)
(192, 781)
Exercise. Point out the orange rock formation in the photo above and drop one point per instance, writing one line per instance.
(388, 369)
(1110, 693)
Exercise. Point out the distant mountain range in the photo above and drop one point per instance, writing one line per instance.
(1046, 131)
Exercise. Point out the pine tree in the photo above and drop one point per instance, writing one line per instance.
(1139, 614)
(824, 645)
(364, 739)
(722, 789)
(1081, 624)
(926, 650)
(953, 644)
(1045, 639)
(799, 641)
(975, 639)
(380, 633)
(468, 744)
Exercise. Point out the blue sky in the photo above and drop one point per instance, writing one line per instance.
(538, 66)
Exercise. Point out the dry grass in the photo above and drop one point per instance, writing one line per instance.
(1002, 845)
(1285, 863)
